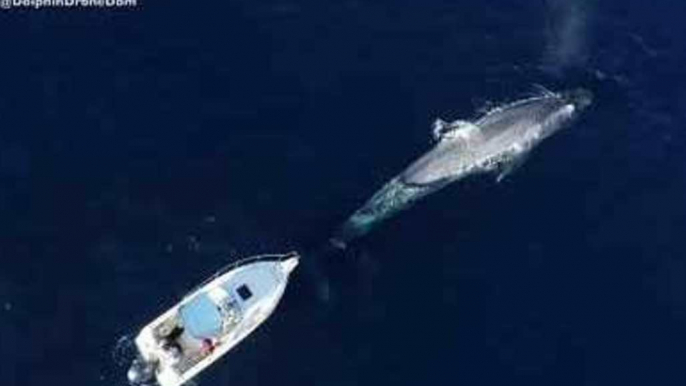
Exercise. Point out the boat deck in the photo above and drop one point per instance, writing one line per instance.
(193, 352)
(212, 320)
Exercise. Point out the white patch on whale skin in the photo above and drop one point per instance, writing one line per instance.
(458, 129)
(555, 121)
(438, 128)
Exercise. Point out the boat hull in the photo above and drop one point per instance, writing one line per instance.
(213, 319)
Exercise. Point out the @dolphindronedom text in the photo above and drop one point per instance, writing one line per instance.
(38, 4)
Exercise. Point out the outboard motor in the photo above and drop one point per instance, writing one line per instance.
(141, 372)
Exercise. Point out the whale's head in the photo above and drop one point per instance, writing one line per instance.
(561, 109)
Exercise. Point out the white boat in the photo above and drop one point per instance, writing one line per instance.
(210, 320)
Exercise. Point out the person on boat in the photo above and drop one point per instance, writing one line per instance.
(171, 345)
(207, 346)
(173, 350)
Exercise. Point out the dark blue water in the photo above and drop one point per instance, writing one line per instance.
(140, 150)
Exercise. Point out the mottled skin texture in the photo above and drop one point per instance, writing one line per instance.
(502, 135)
(492, 144)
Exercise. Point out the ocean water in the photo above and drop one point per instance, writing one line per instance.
(142, 149)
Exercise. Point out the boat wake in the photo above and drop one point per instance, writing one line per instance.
(124, 351)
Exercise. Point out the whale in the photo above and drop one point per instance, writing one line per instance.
(497, 142)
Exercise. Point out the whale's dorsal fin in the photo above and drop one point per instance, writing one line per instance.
(443, 130)
(438, 128)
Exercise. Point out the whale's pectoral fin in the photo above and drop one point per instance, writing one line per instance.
(510, 167)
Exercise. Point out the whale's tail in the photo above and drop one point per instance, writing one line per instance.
(391, 199)
(358, 225)
(315, 261)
